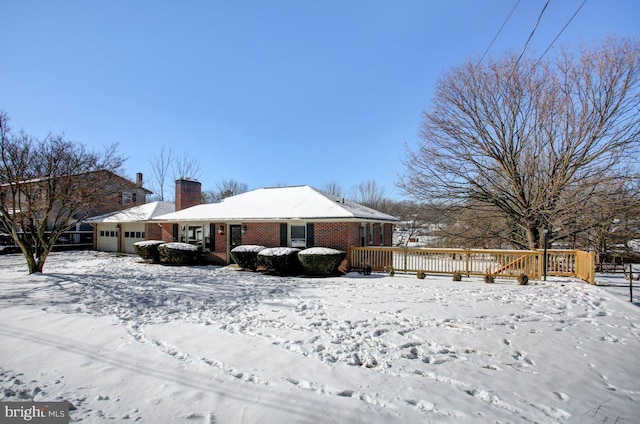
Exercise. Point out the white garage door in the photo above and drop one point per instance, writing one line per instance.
(132, 233)
(108, 237)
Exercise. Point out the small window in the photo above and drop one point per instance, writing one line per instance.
(138, 234)
(298, 231)
(126, 198)
(126, 234)
(142, 234)
(102, 233)
(112, 234)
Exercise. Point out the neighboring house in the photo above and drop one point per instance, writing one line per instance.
(109, 191)
(299, 216)
(118, 231)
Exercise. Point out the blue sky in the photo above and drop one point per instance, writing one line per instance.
(264, 92)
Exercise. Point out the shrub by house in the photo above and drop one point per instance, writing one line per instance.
(320, 260)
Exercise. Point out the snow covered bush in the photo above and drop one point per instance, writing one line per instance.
(246, 256)
(281, 260)
(320, 260)
(178, 253)
(148, 249)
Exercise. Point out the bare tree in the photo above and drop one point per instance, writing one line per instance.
(533, 139)
(372, 195)
(48, 186)
(160, 166)
(224, 188)
(186, 166)
(333, 188)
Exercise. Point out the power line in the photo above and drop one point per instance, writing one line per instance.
(560, 33)
(532, 32)
(498, 33)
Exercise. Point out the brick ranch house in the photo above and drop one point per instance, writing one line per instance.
(298, 216)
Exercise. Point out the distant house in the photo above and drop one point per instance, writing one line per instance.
(118, 231)
(299, 216)
(109, 191)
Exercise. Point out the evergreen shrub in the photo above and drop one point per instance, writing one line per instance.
(148, 249)
(320, 260)
(281, 260)
(178, 254)
(246, 256)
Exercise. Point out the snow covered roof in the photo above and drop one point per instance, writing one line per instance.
(140, 213)
(298, 202)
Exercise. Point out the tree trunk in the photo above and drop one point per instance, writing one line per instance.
(33, 264)
(533, 238)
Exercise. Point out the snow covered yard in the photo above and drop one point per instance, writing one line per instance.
(125, 341)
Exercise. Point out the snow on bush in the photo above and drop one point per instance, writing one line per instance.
(148, 249)
(321, 260)
(178, 253)
(281, 260)
(145, 243)
(246, 256)
(181, 246)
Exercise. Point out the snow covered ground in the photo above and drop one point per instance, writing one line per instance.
(125, 341)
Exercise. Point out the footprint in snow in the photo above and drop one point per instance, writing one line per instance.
(202, 418)
(562, 396)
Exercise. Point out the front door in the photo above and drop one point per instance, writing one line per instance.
(235, 237)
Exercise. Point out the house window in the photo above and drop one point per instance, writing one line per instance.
(102, 233)
(381, 234)
(126, 234)
(126, 198)
(195, 234)
(299, 236)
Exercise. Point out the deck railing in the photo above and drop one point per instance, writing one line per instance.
(502, 263)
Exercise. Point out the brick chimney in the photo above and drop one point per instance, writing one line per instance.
(139, 179)
(188, 193)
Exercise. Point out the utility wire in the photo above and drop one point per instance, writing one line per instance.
(498, 33)
(560, 33)
(531, 35)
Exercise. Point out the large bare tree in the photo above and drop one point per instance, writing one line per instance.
(185, 166)
(533, 139)
(160, 166)
(48, 186)
(226, 187)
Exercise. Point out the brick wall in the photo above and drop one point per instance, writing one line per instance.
(388, 234)
(262, 233)
(188, 193)
(159, 232)
(337, 235)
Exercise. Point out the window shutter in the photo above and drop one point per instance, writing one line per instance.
(175, 232)
(283, 235)
(212, 237)
(310, 235)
